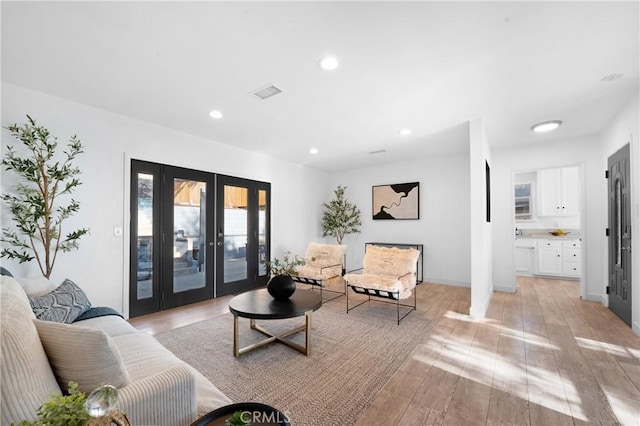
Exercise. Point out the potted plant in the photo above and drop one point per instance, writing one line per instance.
(340, 217)
(281, 286)
(67, 410)
(35, 207)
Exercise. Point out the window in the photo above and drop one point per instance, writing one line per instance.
(523, 202)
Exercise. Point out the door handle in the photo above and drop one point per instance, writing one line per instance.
(211, 244)
(219, 243)
(627, 247)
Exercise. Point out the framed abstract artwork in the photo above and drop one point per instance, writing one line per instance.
(398, 201)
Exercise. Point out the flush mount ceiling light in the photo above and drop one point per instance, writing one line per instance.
(546, 126)
(328, 63)
(215, 114)
(405, 132)
(313, 151)
(611, 77)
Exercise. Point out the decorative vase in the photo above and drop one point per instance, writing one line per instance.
(281, 287)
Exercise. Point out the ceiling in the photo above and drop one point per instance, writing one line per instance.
(427, 66)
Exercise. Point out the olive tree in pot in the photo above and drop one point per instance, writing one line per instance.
(340, 217)
(34, 204)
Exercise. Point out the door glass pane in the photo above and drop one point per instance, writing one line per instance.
(188, 234)
(618, 219)
(235, 233)
(145, 236)
(262, 231)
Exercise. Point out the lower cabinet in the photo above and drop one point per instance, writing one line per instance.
(525, 260)
(558, 258)
(549, 257)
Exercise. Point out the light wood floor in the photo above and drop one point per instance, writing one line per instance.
(541, 356)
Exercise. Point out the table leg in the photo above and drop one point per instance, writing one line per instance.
(236, 345)
(307, 333)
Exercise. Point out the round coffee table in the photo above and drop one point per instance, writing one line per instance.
(258, 304)
(255, 412)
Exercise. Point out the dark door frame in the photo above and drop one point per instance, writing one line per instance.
(253, 279)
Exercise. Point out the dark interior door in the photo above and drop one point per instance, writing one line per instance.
(620, 234)
(241, 234)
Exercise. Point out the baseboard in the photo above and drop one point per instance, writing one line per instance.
(505, 288)
(597, 297)
(454, 283)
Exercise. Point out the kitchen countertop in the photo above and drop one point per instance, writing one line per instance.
(551, 237)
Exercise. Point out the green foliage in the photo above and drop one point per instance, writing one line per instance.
(286, 266)
(61, 410)
(34, 205)
(237, 419)
(340, 217)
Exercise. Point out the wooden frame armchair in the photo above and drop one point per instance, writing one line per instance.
(323, 262)
(387, 273)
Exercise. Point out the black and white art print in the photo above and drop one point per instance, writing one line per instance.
(399, 201)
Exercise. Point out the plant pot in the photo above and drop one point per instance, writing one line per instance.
(281, 287)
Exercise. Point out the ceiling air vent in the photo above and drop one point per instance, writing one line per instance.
(380, 151)
(266, 92)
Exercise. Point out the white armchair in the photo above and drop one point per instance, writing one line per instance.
(323, 263)
(387, 273)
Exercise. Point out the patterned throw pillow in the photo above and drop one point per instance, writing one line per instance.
(64, 304)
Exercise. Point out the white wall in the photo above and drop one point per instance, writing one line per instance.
(481, 235)
(585, 152)
(624, 129)
(444, 222)
(100, 267)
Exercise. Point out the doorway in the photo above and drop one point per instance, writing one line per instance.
(181, 229)
(548, 206)
(619, 232)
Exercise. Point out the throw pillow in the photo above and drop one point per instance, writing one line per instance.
(88, 357)
(64, 304)
(36, 286)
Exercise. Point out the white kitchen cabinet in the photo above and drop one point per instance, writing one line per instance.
(558, 192)
(525, 256)
(571, 258)
(560, 258)
(549, 257)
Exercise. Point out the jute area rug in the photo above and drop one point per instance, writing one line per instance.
(352, 357)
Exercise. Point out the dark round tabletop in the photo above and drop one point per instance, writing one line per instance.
(258, 304)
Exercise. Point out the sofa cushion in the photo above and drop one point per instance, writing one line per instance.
(64, 304)
(27, 378)
(111, 324)
(144, 356)
(36, 286)
(83, 355)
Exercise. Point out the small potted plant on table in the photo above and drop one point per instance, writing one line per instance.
(281, 286)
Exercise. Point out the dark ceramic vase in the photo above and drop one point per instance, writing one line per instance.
(281, 287)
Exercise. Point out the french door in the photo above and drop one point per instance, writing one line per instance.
(242, 237)
(180, 236)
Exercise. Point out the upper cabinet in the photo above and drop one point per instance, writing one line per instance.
(558, 192)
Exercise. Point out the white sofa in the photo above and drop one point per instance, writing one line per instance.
(160, 389)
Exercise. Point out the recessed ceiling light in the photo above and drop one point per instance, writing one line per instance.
(546, 126)
(405, 132)
(611, 77)
(328, 63)
(215, 114)
(313, 151)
